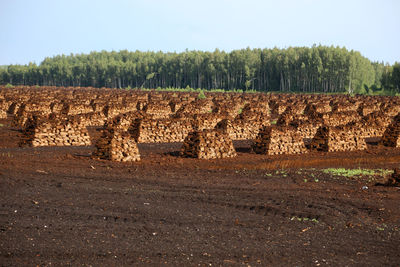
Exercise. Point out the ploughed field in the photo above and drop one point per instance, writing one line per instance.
(112, 177)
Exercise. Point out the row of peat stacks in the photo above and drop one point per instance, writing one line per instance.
(61, 116)
(55, 131)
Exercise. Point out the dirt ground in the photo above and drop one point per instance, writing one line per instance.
(58, 206)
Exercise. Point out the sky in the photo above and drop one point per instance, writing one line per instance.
(31, 30)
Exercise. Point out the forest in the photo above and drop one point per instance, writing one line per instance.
(324, 69)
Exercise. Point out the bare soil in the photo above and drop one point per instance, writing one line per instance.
(58, 206)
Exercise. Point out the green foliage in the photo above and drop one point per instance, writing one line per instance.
(362, 91)
(356, 172)
(9, 85)
(247, 84)
(361, 73)
(150, 76)
(294, 69)
(390, 78)
(395, 81)
(201, 95)
(282, 173)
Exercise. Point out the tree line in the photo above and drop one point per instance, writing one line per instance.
(297, 69)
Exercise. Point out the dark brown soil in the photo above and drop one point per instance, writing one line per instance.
(60, 207)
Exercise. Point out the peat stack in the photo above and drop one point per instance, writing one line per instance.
(225, 126)
(92, 119)
(366, 130)
(116, 145)
(248, 129)
(124, 121)
(160, 131)
(306, 125)
(208, 144)
(345, 107)
(278, 140)
(242, 129)
(298, 108)
(3, 114)
(98, 105)
(22, 115)
(286, 118)
(42, 107)
(56, 107)
(55, 131)
(340, 118)
(140, 105)
(330, 139)
(372, 125)
(365, 109)
(13, 108)
(158, 110)
(198, 106)
(75, 108)
(206, 121)
(391, 137)
(228, 108)
(378, 117)
(113, 110)
(176, 104)
(4, 105)
(250, 114)
(390, 109)
(321, 108)
(21, 118)
(277, 108)
(261, 108)
(306, 129)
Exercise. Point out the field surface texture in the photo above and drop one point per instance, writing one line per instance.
(60, 206)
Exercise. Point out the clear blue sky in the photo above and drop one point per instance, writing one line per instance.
(31, 30)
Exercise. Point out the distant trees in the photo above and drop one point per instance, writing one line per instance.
(390, 77)
(298, 69)
(396, 76)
